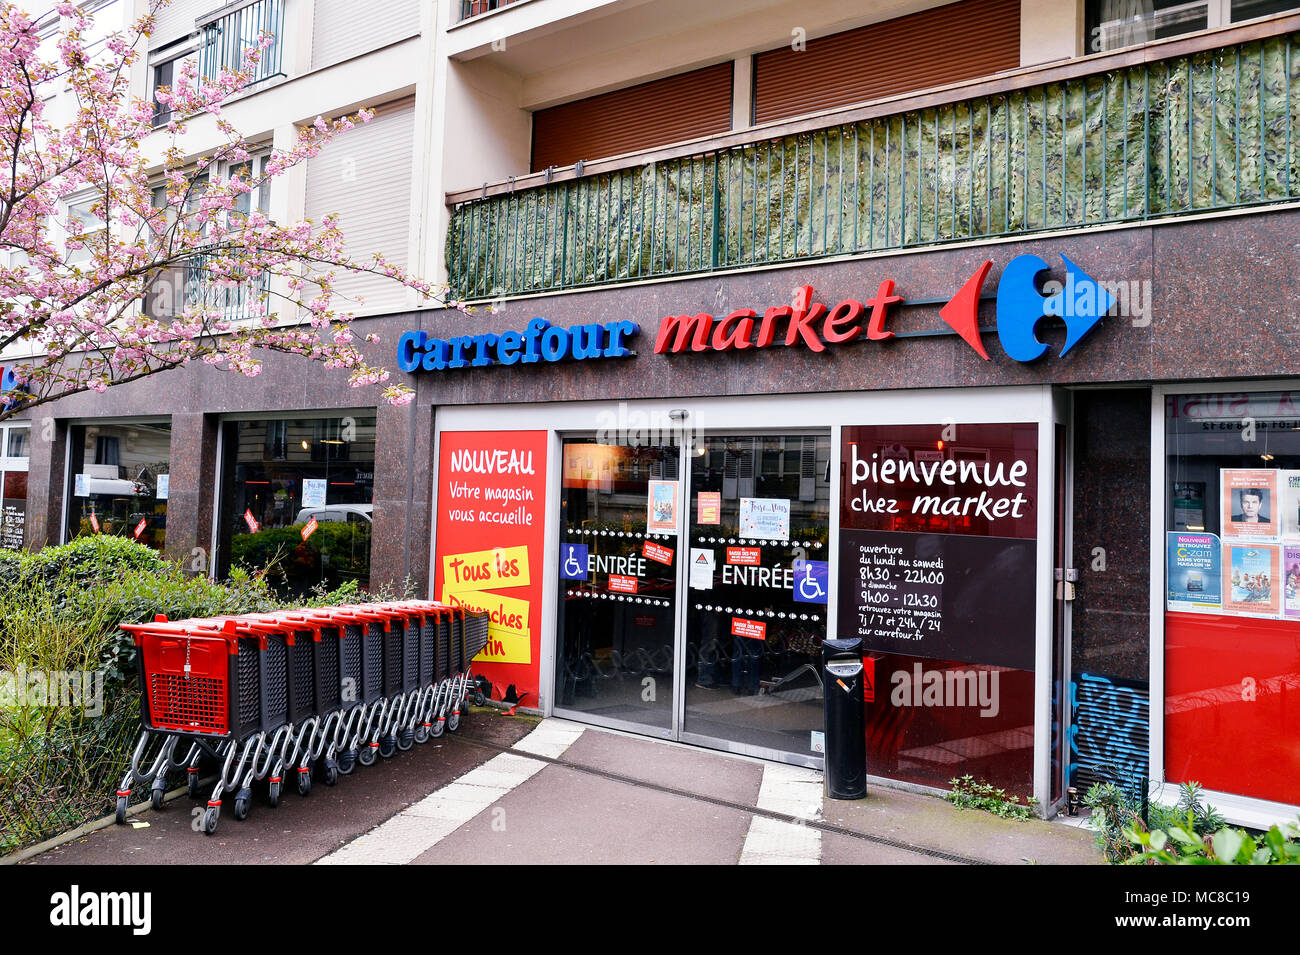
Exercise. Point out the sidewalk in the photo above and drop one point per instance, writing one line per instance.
(568, 793)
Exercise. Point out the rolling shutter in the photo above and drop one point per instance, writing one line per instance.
(176, 20)
(676, 108)
(340, 31)
(948, 44)
(365, 177)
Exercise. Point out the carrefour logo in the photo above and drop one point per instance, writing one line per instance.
(1022, 300)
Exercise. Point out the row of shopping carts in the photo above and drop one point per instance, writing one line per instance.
(296, 693)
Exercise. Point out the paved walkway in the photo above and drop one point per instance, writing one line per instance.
(573, 794)
(515, 791)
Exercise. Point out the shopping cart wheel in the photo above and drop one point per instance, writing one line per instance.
(210, 818)
(331, 772)
(304, 781)
(479, 698)
(192, 781)
(367, 755)
(121, 810)
(438, 728)
(422, 734)
(273, 793)
(453, 720)
(347, 762)
(157, 792)
(243, 802)
(406, 739)
(387, 745)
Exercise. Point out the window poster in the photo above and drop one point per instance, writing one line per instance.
(1291, 584)
(1249, 501)
(1189, 505)
(489, 545)
(765, 518)
(1289, 484)
(709, 507)
(1194, 573)
(661, 507)
(313, 492)
(1251, 585)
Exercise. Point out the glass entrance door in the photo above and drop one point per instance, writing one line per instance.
(619, 510)
(757, 586)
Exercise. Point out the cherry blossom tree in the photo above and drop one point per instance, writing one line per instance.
(81, 296)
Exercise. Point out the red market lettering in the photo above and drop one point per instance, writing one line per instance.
(804, 322)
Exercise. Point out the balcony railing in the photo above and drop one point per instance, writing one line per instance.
(235, 301)
(226, 37)
(1171, 129)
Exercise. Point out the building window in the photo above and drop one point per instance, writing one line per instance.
(297, 499)
(1113, 24)
(162, 79)
(14, 443)
(1232, 612)
(227, 38)
(85, 231)
(119, 481)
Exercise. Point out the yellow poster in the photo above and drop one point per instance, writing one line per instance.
(486, 569)
(508, 640)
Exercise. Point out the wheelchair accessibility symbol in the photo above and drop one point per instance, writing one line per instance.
(810, 577)
(573, 561)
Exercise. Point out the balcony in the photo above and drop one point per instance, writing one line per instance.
(473, 8)
(229, 32)
(1179, 127)
(234, 301)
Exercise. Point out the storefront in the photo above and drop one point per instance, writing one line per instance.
(975, 467)
(1033, 501)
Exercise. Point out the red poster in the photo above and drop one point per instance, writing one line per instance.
(251, 521)
(657, 552)
(94, 522)
(747, 556)
(490, 535)
(309, 528)
(139, 529)
(754, 629)
(622, 585)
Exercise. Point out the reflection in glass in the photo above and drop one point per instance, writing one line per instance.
(755, 623)
(618, 581)
(297, 497)
(117, 481)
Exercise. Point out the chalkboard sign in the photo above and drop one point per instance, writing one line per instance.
(13, 521)
(940, 596)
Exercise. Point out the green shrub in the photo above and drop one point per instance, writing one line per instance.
(1181, 844)
(968, 793)
(334, 554)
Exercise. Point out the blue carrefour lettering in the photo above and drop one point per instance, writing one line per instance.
(539, 341)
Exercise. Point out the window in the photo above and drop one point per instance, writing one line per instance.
(119, 481)
(1113, 24)
(85, 229)
(14, 443)
(226, 38)
(162, 79)
(280, 475)
(1232, 612)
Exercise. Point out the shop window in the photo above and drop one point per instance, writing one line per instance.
(1232, 620)
(14, 441)
(119, 481)
(297, 498)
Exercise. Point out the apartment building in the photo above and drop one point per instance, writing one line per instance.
(960, 328)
